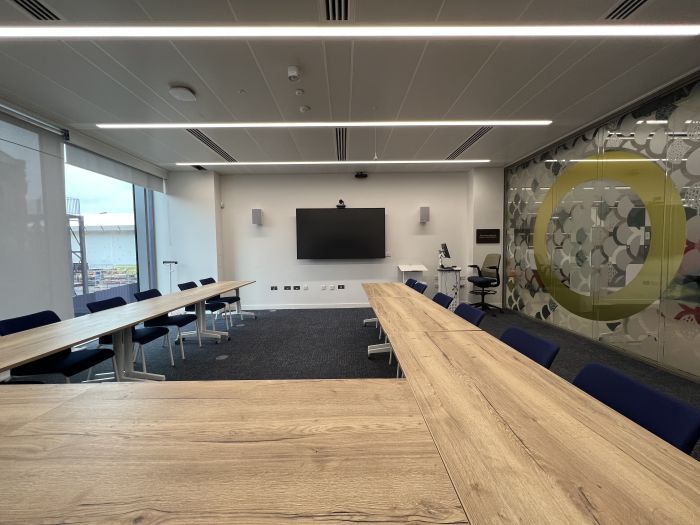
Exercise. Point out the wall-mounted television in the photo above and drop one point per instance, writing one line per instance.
(340, 233)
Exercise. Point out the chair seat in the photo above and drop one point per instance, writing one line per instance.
(229, 300)
(212, 306)
(148, 334)
(68, 365)
(179, 320)
(482, 281)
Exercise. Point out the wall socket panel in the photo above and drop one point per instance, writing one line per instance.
(287, 287)
(341, 287)
(331, 287)
(273, 288)
(297, 287)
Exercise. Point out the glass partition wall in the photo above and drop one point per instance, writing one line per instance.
(603, 234)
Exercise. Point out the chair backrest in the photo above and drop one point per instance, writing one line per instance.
(106, 304)
(470, 314)
(492, 259)
(442, 299)
(420, 287)
(207, 280)
(539, 350)
(27, 322)
(410, 282)
(669, 418)
(148, 294)
(187, 286)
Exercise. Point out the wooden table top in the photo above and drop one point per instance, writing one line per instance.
(415, 314)
(388, 290)
(23, 347)
(253, 452)
(523, 445)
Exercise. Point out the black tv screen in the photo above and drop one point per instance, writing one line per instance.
(348, 233)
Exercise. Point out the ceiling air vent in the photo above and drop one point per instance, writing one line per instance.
(469, 142)
(625, 9)
(341, 143)
(336, 10)
(36, 9)
(199, 168)
(211, 144)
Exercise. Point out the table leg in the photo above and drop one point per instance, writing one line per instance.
(200, 310)
(122, 349)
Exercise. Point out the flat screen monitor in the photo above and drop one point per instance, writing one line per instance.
(348, 233)
(445, 251)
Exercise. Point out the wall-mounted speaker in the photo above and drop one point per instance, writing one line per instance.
(424, 214)
(257, 216)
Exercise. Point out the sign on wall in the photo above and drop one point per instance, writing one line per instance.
(486, 236)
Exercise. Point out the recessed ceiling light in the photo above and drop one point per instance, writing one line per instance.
(652, 122)
(334, 162)
(77, 32)
(182, 93)
(352, 124)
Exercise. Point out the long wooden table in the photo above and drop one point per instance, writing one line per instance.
(23, 347)
(250, 452)
(521, 444)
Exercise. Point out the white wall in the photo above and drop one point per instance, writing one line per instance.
(267, 253)
(185, 223)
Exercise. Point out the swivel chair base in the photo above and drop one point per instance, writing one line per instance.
(483, 304)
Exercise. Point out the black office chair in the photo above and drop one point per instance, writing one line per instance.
(488, 277)
(65, 362)
(228, 299)
(410, 282)
(536, 348)
(211, 306)
(669, 418)
(442, 299)
(177, 320)
(420, 287)
(470, 314)
(139, 336)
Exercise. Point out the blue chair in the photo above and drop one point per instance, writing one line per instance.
(178, 320)
(229, 300)
(539, 350)
(420, 287)
(487, 277)
(669, 418)
(470, 314)
(211, 306)
(442, 299)
(410, 283)
(139, 336)
(65, 362)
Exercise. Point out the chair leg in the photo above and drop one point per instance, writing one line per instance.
(391, 354)
(143, 357)
(182, 348)
(380, 331)
(67, 379)
(116, 369)
(89, 374)
(398, 370)
(170, 348)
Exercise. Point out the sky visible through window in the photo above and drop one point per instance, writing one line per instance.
(98, 193)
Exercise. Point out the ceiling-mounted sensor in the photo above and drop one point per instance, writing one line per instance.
(293, 73)
(299, 92)
(304, 109)
(182, 93)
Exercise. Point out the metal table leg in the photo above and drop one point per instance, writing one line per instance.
(122, 345)
(200, 310)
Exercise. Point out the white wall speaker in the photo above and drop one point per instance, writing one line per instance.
(257, 216)
(424, 214)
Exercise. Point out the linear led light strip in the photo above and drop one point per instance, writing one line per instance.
(355, 124)
(334, 162)
(65, 32)
(610, 160)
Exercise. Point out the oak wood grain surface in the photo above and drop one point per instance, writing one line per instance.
(523, 445)
(20, 348)
(388, 290)
(415, 314)
(331, 451)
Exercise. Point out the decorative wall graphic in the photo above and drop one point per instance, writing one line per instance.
(602, 233)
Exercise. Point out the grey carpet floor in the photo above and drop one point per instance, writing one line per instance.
(332, 343)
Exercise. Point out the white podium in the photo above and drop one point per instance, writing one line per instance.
(409, 268)
(448, 283)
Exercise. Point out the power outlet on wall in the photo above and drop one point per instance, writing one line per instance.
(297, 287)
(341, 287)
(273, 288)
(287, 287)
(306, 287)
(323, 287)
(331, 287)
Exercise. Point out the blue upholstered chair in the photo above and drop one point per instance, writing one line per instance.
(410, 282)
(470, 314)
(488, 277)
(212, 306)
(178, 320)
(442, 299)
(139, 336)
(669, 418)
(228, 300)
(420, 287)
(65, 362)
(539, 350)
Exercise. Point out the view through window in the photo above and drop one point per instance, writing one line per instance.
(102, 235)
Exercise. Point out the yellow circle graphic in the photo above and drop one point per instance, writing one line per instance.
(667, 220)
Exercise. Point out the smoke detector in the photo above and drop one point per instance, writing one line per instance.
(182, 93)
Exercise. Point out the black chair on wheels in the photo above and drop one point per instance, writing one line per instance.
(229, 299)
(178, 320)
(488, 278)
(139, 336)
(65, 362)
(212, 306)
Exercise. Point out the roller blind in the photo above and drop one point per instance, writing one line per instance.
(93, 162)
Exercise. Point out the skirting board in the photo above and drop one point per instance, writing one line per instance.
(317, 306)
